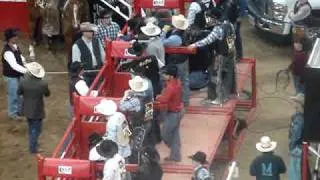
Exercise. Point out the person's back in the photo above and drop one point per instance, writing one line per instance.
(267, 166)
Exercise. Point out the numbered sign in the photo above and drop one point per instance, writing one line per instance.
(65, 170)
(158, 2)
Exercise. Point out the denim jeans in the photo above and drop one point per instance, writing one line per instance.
(294, 171)
(298, 85)
(13, 99)
(238, 40)
(35, 127)
(171, 134)
(198, 79)
(183, 75)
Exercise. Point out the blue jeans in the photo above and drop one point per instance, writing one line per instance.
(183, 75)
(13, 99)
(35, 127)
(171, 134)
(298, 85)
(198, 79)
(294, 171)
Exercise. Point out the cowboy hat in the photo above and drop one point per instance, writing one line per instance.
(106, 107)
(35, 69)
(266, 145)
(137, 48)
(10, 33)
(138, 84)
(200, 157)
(76, 67)
(150, 29)
(170, 69)
(88, 27)
(107, 148)
(180, 22)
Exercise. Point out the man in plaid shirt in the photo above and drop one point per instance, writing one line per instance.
(107, 28)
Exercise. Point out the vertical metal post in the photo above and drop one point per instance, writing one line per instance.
(40, 161)
(254, 83)
(305, 161)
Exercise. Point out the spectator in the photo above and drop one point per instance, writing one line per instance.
(107, 28)
(200, 172)
(149, 167)
(196, 12)
(295, 139)
(268, 165)
(171, 95)
(33, 89)
(88, 51)
(174, 38)
(137, 102)
(297, 66)
(155, 46)
(13, 69)
(114, 166)
(133, 30)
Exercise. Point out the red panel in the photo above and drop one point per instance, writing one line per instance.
(79, 168)
(174, 4)
(120, 83)
(14, 14)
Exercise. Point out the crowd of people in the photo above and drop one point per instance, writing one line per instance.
(157, 78)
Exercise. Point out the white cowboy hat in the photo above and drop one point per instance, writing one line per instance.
(150, 29)
(106, 107)
(87, 26)
(180, 22)
(266, 145)
(138, 84)
(35, 69)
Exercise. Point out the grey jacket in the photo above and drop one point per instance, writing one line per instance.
(33, 90)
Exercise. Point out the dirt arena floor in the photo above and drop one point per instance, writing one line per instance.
(272, 117)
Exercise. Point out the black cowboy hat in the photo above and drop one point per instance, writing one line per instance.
(76, 67)
(137, 48)
(10, 33)
(170, 69)
(107, 148)
(151, 153)
(199, 157)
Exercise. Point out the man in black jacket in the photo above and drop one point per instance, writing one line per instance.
(33, 89)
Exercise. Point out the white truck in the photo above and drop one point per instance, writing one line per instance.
(272, 16)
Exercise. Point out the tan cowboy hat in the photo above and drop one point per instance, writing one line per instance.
(180, 22)
(106, 107)
(266, 145)
(87, 26)
(35, 69)
(138, 84)
(150, 29)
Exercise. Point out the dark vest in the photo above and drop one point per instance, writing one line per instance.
(146, 111)
(200, 19)
(7, 70)
(86, 57)
(72, 82)
(225, 46)
(306, 21)
(176, 58)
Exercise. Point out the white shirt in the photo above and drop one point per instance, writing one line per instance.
(94, 155)
(114, 168)
(82, 87)
(9, 57)
(76, 54)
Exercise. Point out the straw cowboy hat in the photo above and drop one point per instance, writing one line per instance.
(138, 84)
(150, 29)
(266, 145)
(180, 22)
(106, 107)
(88, 27)
(35, 69)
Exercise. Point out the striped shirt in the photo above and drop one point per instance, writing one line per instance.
(110, 32)
(217, 33)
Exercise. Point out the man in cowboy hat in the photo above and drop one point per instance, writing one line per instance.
(174, 38)
(107, 28)
(268, 165)
(12, 70)
(171, 95)
(198, 161)
(295, 138)
(117, 128)
(138, 103)
(114, 167)
(155, 46)
(220, 87)
(33, 89)
(89, 51)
